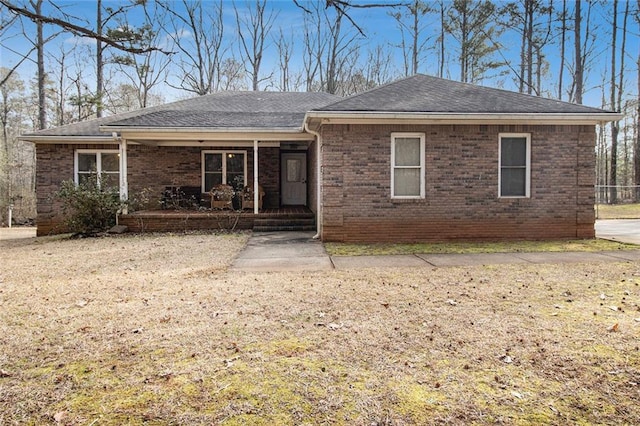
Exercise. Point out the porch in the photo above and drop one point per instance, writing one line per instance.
(290, 218)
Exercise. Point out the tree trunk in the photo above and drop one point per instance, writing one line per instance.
(529, 30)
(636, 145)
(442, 33)
(578, 75)
(42, 99)
(615, 125)
(562, 47)
(99, 62)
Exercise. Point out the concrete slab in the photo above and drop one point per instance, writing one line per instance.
(17, 233)
(563, 257)
(353, 262)
(443, 260)
(621, 230)
(282, 251)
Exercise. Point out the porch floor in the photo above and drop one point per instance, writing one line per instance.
(286, 218)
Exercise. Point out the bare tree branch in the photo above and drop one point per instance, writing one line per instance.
(77, 30)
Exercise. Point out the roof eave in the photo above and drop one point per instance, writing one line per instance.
(67, 139)
(360, 117)
(153, 129)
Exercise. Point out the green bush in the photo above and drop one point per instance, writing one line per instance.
(89, 209)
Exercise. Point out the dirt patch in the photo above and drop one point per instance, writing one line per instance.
(154, 329)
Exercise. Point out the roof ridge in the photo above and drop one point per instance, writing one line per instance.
(373, 89)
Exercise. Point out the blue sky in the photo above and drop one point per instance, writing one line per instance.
(379, 27)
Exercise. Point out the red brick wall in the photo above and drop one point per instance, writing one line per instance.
(150, 169)
(461, 185)
(54, 164)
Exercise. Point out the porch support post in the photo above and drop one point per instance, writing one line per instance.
(124, 182)
(256, 191)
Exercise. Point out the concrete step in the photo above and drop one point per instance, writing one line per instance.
(279, 228)
(283, 221)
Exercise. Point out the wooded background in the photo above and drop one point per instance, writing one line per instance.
(64, 62)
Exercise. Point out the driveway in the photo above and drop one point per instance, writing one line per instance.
(622, 230)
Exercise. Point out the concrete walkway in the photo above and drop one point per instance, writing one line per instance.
(298, 251)
(282, 251)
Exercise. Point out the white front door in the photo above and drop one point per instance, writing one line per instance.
(293, 178)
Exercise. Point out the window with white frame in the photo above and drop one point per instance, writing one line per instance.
(515, 165)
(407, 165)
(102, 165)
(224, 167)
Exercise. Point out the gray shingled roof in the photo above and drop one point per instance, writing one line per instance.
(277, 110)
(422, 93)
(244, 110)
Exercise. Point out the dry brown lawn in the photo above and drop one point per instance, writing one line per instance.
(154, 330)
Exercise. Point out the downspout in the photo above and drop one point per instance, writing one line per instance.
(256, 186)
(124, 184)
(318, 178)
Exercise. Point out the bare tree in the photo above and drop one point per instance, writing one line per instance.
(472, 24)
(532, 20)
(563, 38)
(285, 47)
(197, 33)
(578, 75)
(253, 31)
(144, 71)
(414, 43)
(617, 88)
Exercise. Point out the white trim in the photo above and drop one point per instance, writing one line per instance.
(245, 130)
(69, 140)
(124, 181)
(256, 192)
(318, 137)
(224, 166)
(398, 135)
(346, 117)
(76, 170)
(527, 137)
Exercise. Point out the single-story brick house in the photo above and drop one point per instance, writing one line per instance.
(418, 159)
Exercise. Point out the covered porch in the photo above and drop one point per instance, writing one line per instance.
(184, 175)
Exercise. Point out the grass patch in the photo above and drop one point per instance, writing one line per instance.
(123, 331)
(594, 245)
(618, 211)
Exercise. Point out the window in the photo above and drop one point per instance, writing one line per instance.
(515, 165)
(407, 165)
(223, 167)
(102, 165)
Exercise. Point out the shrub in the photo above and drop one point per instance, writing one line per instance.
(88, 209)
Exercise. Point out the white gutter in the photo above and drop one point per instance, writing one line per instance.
(148, 129)
(343, 117)
(318, 178)
(67, 139)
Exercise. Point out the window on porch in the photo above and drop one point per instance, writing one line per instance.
(103, 165)
(224, 167)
